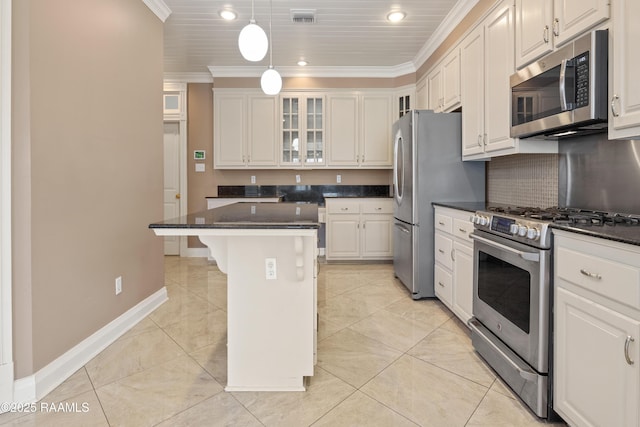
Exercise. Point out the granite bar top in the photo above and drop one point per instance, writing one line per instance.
(304, 193)
(249, 216)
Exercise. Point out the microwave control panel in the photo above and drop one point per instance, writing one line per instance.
(582, 79)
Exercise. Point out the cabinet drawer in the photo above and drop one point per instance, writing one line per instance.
(443, 247)
(381, 207)
(611, 279)
(443, 285)
(462, 229)
(443, 222)
(343, 206)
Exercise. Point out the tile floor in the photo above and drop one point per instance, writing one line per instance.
(383, 360)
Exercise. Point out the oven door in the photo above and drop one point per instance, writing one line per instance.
(511, 295)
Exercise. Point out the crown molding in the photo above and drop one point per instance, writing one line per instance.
(188, 77)
(453, 18)
(293, 71)
(158, 7)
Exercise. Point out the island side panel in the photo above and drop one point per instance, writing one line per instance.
(271, 322)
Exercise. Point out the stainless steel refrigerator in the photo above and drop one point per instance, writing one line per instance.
(428, 168)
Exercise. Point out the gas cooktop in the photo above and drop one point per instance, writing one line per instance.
(568, 216)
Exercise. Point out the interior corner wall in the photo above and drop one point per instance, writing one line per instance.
(87, 169)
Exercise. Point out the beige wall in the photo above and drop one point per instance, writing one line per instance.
(87, 164)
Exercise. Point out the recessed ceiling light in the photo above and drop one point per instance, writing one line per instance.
(302, 63)
(396, 16)
(228, 14)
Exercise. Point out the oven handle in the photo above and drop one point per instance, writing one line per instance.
(529, 256)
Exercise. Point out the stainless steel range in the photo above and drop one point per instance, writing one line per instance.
(512, 292)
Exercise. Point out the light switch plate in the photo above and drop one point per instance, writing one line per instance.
(199, 167)
(297, 179)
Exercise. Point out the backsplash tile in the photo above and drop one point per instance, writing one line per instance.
(523, 180)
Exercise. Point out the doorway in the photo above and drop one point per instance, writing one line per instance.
(172, 193)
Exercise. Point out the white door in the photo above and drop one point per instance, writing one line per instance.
(171, 182)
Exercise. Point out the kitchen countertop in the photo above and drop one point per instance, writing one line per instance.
(620, 233)
(282, 215)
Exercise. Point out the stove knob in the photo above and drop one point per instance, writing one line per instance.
(533, 233)
(475, 219)
(513, 229)
(484, 220)
(522, 230)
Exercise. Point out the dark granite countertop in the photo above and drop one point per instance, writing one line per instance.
(463, 206)
(248, 215)
(620, 232)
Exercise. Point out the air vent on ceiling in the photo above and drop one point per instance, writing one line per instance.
(303, 16)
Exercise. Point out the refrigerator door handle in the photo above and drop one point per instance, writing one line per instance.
(402, 228)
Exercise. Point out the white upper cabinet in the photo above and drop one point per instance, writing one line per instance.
(444, 83)
(545, 24)
(472, 86)
(624, 62)
(245, 130)
(359, 130)
(302, 131)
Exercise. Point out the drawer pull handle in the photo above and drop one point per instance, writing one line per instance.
(440, 222)
(462, 230)
(378, 209)
(627, 343)
(589, 274)
(441, 251)
(440, 283)
(344, 209)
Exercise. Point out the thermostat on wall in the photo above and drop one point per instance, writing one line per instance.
(199, 154)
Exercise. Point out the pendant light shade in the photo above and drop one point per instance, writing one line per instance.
(253, 42)
(271, 82)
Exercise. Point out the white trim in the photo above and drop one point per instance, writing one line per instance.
(158, 7)
(38, 385)
(190, 77)
(453, 18)
(293, 71)
(6, 325)
(196, 253)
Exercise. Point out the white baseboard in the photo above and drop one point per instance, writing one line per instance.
(38, 385)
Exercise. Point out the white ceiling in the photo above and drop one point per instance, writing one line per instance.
(348, 34)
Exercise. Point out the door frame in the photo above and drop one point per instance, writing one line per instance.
(179, 115)
(6, 316)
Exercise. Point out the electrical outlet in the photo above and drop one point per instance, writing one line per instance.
(338, 179)
(270, 268)
(253, 179)
(297, 179)
(118, 284)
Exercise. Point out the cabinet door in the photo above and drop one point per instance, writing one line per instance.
(343, 236)
(533, 30)
(498, 66)
(262, 143)
(624, 115)
(342, 131)
(451, 81)
(573, 17)
(376, 140)
(229, 130)
(291, 131)
(594, 385)
(443, 285)
(422, 95)
(463, 281)
(434, 81)
(472, 92)
(314, 147)
(376, 236)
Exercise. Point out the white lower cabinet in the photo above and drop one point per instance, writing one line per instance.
(359, 229)
(597, 331)
(453, 277)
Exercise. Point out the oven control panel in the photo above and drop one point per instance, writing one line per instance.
(528, 231)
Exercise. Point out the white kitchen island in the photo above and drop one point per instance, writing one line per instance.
(269, 253)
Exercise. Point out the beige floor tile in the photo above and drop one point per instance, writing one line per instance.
(499, 410)
(145, 325)
(343, 311)
(213, 358)
(353, 357)
(454, 352)
(392, 330)
(360, 410)
(157, 394)
(76, 384)
(426, 394)
(83, 410)
(338, 281)
(296, 409)
(377, 295)
(499, 386)
(129, 355)
(215, 290)
(326, 328)
(196, 330)
(428, 312)
(217, 411)
(181, 303)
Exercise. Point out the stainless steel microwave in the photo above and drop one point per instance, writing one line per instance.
(564, 93)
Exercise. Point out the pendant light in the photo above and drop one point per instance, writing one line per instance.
(253, 41)
(271, 82)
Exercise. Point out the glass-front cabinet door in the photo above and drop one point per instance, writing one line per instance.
(302, 130)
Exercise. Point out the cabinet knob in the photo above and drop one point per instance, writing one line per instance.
(177, 195)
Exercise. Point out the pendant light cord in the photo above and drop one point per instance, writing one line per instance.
(252, 11)
(270, 36)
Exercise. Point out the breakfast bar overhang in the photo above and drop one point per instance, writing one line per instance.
(269, 253)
